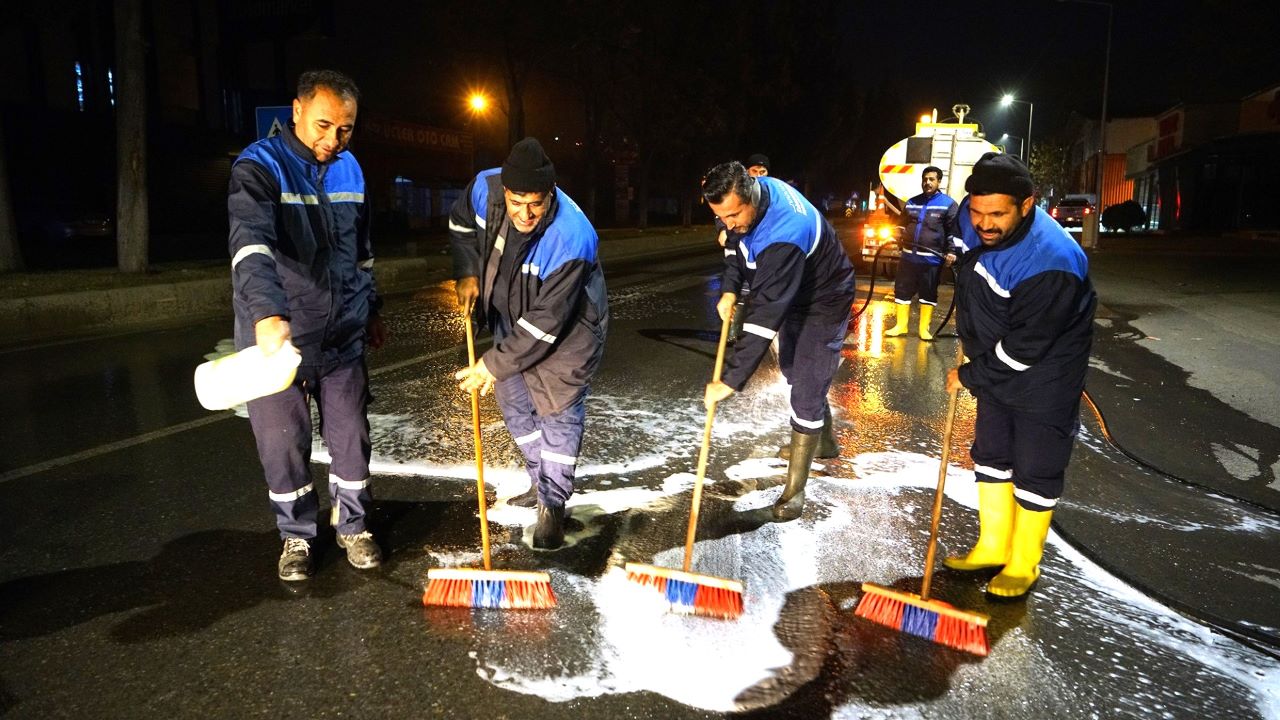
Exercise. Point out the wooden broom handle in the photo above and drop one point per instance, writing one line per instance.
(479, 446)
(706, 447)
(942, 482)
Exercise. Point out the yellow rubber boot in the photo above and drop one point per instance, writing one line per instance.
(902, 321)
(995, 529)
(1030, 528)
(926, 317)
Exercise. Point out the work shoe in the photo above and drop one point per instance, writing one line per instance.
(827, 446)
(926, 317)
(528, 498)
(791, 503)
(995, 529)
(548, 534)
(295, 560)
(1030, 528)
(901, 323)
(362, 552)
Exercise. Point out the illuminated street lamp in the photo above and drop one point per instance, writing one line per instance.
(478, 103)
(1021, 144)
(1008, 100)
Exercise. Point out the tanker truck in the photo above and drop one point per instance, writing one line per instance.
(954, 147)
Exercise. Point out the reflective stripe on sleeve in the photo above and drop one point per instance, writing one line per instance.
(297, 199)
(455, 227)
(290, 497)
(366, 264)
(479, 221)
(534, 331)
(346, 197)
(760, 330)
(248, 250)
(1004, 357)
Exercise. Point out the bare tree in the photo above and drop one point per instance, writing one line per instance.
(132, 222)
(10, 253)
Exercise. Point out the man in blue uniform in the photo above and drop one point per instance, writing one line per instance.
(524, 258)
(302, 272)
(1025, 315)
(801, 294)
(926, 247)
(735, 280)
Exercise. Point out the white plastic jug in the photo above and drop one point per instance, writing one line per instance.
(247, 375)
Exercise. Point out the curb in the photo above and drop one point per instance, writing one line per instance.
(44, 318)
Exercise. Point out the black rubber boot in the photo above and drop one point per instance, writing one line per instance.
(528, 498)
(548, 534)
(791, 503)
(827, 446)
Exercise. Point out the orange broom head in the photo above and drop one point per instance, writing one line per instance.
(504, 589)
(690, 593)
(932, 620)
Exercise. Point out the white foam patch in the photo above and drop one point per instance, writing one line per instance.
(1098, 364)
(858, 535)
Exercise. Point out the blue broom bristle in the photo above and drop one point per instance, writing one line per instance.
(681, 594)
(919, 622)
(488, 593)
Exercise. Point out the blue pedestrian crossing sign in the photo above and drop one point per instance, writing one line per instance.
(273, 120)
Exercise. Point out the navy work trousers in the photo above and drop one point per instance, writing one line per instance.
(282, 427)
(915, 278)
(1031, 449)
(549, 443)
(809, 346)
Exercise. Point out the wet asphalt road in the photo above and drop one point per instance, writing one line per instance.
(137, 560)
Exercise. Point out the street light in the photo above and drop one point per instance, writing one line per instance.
(1008, 100)
(478, 103)
(1021, 144)
(1106, 76)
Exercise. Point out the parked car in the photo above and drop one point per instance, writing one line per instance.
(66, 235)
(1071, 211)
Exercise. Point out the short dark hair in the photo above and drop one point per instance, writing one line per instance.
(340, 84)
(932, 168)
(725, 178)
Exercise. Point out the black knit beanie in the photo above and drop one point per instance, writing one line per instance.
(758, 159)
(1000, 174)
(528, 169)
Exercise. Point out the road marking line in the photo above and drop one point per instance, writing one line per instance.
(40, 467)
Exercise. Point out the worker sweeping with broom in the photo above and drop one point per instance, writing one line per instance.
(801, 294)
(524, 257)
(1025, 316)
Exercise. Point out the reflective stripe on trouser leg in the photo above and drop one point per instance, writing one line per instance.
(282, 429)
(343, 400)
(809, 355)
(561, 441)
(522, 422)
(1042, 445)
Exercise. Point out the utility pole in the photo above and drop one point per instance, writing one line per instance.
(10, 252)
(133, 227)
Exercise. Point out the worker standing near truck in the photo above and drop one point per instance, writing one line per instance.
(926, 247)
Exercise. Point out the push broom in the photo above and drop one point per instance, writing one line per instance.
(487, 588)
(687, 592)
(918, 615)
